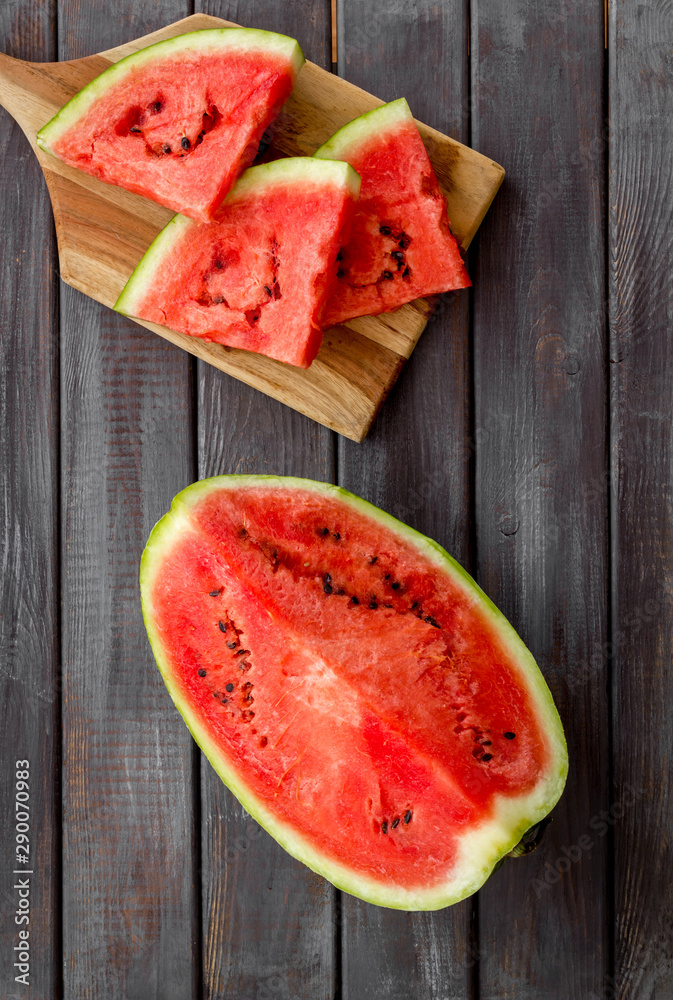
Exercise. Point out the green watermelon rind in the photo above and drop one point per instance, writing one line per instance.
(293, 169)
(193, 41)
(483, 847)
(372, 123)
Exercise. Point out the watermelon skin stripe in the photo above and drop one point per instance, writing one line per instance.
(481, 848)
(209, 39)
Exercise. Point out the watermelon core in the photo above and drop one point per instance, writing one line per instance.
(179, 121)
(258, 276)
(401, 247)
(352, 685)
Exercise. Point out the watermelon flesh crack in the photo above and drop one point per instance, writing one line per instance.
(352, 686)
(180, 120)
(401, 247)
(258, 276)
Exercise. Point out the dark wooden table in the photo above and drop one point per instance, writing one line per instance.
(531, 434)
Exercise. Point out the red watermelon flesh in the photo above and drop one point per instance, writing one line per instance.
(180, 120)
(258, 276)
(401, 247)
(352, 685)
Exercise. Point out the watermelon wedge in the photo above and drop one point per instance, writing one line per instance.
(352, 685)
(180, 120)
(401, 247)
(258, 276)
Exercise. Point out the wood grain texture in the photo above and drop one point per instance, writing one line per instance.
(541, 463)
(130, 850)
(641, 356)
(416, 462)
(103, 231)
(29, 597)
(268, 922)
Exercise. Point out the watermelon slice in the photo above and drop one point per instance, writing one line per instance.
(179, 121)
(401, 247)
(352, 686)
(258, 276)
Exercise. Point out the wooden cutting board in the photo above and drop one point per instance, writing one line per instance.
(103, 231)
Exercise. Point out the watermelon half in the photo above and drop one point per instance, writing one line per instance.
(179, 121)
(401, 247)
(352, 685)
(258, 276)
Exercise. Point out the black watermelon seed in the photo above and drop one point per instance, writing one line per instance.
(222, 626)
(373, 560)
(243, 533)
(354, 600)
(487, 756)
(229, 687)
(263, 742)
(216, 694)
(225, 701)
(327, 588)
(185, 143)
(384, 827)
(337, 535)
(167, 148)
(340, 592)
(157, 107)
(135, 128)
(214, 593)
(327, 578)
(385, 231)
(405, 272)
(340, 255)
(399, 257)
(324, 532)
(407, 817)
(231, 645)
(387, 576)
(267, 290)
(414, 605)
(395, 823)
(201, 672)
(387, 605)
(242, 652)
(509, 736)
(373, 605)
(395, 586)
(431, 621)
(404, 241)
(487, 743)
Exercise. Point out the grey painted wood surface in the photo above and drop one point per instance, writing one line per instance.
(641, 365)
(530, 434)
(29, 586)
(541, 463)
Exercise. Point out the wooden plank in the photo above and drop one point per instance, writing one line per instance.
(416, 463)
(641, 356)
(268, 921)
(129, 843)
(29, 598)
(541, 473)
(103, 231)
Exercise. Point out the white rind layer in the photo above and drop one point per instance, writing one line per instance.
(385, 118)
(300, 170)
(209, 40)
(481, 848)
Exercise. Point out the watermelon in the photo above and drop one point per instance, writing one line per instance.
(259, 275)
(401, 247)
(352, 685)
(179, 121)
